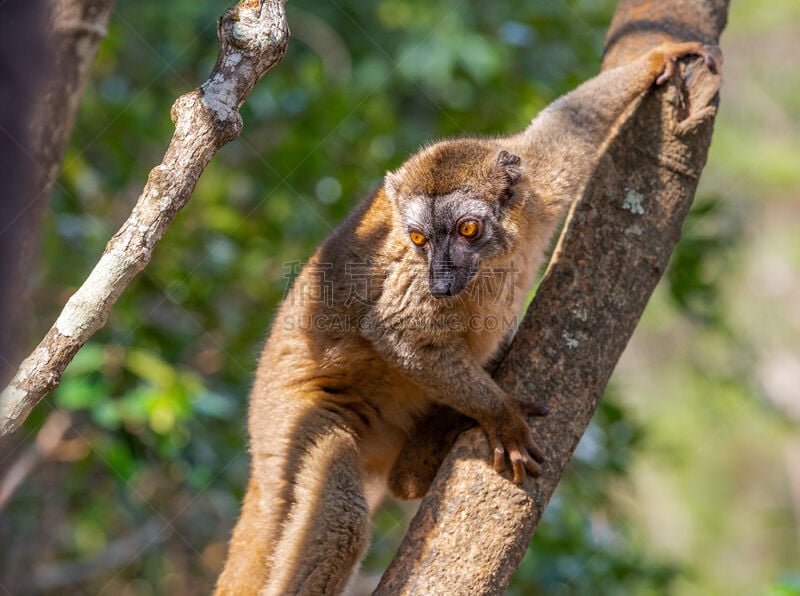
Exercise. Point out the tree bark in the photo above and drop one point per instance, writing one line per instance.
(474, 525)
(75, 29)
(24, 60)
(253, 37)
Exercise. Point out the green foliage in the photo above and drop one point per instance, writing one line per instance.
(701, 260)
(788, 586)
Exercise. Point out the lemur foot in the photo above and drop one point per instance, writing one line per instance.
(711, 55)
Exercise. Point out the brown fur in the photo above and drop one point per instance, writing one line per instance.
(338, 396)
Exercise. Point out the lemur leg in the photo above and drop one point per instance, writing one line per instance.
(326, 529)
(424, 451)
(304, 523)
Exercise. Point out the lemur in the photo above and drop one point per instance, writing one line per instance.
(379, 352)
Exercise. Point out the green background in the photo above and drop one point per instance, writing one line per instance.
(688, 480)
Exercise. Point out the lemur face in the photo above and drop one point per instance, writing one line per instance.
(453, 233)
(451, 198)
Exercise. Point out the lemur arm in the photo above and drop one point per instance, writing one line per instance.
(452, 378)
(567, 138)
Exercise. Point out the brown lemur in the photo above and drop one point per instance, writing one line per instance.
(380, 350)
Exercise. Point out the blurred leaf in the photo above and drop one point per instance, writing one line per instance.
(80, 393)
(89, 359)
(214, 404)
(148, 366)
(118, 457)
(701, 257)
(788, 586)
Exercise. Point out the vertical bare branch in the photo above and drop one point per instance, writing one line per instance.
(24, 58)
(75, 29)
(474, 526)
(253, 37)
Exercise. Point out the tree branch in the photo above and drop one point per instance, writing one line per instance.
(24, 56)
(613, 251)
(253, 37)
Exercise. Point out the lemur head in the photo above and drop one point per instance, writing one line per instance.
(452, 198)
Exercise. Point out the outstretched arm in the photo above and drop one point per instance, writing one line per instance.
(567, 138)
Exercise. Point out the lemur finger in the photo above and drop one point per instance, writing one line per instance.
(669, 68)
(518, 465)
(532, 466)
(534, 449)
(535, 408)
(713, 57)
(499, 455)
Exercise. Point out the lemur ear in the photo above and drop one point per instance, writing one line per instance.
(509, 166)
(391, 185)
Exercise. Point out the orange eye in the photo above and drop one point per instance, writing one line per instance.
(469, 228)
(417, 238)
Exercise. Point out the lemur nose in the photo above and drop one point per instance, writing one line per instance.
(441, 288)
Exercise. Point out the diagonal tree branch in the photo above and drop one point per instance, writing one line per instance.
(474, 526)
(253, 37)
